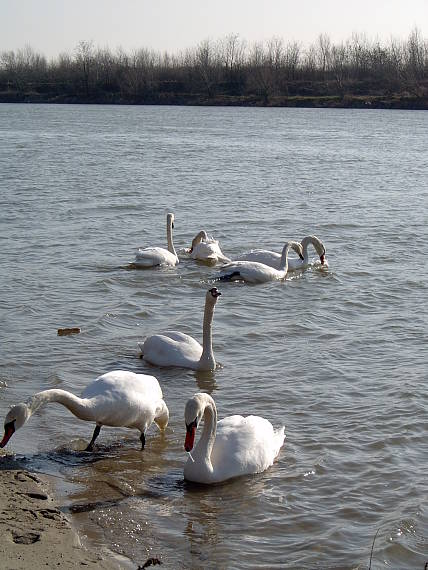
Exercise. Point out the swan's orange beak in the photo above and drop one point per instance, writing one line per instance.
(190, 437)
(9, 430)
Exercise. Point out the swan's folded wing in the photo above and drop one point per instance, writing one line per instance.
(151, 256)
(246, 444)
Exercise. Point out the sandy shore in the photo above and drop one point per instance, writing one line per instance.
(34, 533)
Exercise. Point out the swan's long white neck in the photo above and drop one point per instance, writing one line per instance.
(82, 408)
(205, 444)
(305, 243)
(171, 248)
(207, 360)
(283, 264)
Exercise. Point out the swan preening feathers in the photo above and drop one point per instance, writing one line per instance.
(256, 272)
(229, 448)
(173, 348)
(206, 248)
(273, 259)
(153, 256)
(118, 399)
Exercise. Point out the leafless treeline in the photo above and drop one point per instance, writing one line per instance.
(226, 68)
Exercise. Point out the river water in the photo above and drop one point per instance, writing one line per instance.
(337, 356)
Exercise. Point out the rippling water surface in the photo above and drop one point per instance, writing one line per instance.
(339, 356)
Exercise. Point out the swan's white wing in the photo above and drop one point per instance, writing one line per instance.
(265, 256)
(249, 271)
(208, 250)
(172, 348)
(152, 256)
(244, 445)
(122, 398)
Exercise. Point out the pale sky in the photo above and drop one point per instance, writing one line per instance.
(54, 26)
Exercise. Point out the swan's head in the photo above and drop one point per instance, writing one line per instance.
(193, 414)
(201, 236)
(16, 418)
(297, 247)
(319, 248)
(213, 294)
(170, 220)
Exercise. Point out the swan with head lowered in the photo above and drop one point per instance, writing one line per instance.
(256, 272)
(173, 348)
(206, 248)
(234, 446)
(153, 256)
(118, 399)
(273, 259)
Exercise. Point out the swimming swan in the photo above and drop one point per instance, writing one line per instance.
(234, 446)
(119, 399)
(206, 248)
(152, 256)
(255, 272)
(174, 348)
(273, 259)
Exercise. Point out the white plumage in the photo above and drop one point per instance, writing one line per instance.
(273, 259)
(256, 272)
(174, 348)
(206, 248)
(153, 256)
(118, 398)
(232, 447)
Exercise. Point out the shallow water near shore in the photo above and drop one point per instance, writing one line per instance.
(337, 355)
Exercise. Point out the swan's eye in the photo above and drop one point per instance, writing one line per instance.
(192, 425)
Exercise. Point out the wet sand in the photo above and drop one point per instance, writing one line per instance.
(34, 533)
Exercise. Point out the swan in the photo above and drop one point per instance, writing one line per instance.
(206, 248)
(152, 256)
(118, 398)
(174, 348)
(255, 272)
(273, 259)
(234, 446)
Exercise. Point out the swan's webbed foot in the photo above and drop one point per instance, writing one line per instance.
(96, 433)
(143, 441)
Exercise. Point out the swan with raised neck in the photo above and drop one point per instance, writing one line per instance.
(174, 348)
(153, 256)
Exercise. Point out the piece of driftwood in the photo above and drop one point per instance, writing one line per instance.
(66, 331)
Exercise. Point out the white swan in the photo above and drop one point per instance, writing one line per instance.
(273, 259)
(206, 248)
(255, 272)
(152, 256)
(119, 398)
(173, 348)
(234, 446)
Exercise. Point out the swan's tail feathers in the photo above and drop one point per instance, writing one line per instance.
(162, 415)
(230, 276)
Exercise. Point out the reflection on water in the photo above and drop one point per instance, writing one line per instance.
(337, 354)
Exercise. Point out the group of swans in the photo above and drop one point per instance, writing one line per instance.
(232, 447)
(229, 448)
(255, 266)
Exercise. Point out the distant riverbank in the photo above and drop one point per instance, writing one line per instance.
(330, 101)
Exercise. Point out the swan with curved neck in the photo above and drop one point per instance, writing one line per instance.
(256, 272)
(207, 249)
(173, 348)
(273, 259)
(229, 448)
(153, 256)
(118, 398)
